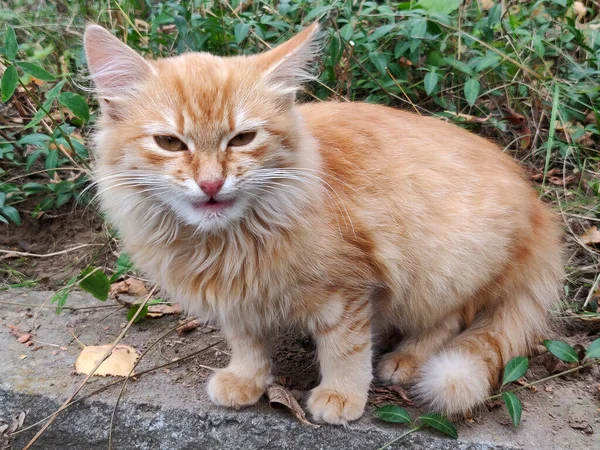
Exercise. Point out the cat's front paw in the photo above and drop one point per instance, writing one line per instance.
(397, 368)
(328, 405)
(225, 388)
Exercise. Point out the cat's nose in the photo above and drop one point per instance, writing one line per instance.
(212, 187)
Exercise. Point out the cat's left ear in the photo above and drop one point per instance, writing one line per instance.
(288, 65)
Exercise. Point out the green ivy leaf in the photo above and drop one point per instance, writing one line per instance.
(95, 282)
(10, 44)
(593, 351)
(472, 88)
(515, 369)
(240, 32)
(76, 103)
(513, 404)
(36, 71)
(440, 423)
(12, 213)
(9, 83)
(393, 413)
(562, 351)
(430, 81)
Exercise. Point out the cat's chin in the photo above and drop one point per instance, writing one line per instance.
(212, 218)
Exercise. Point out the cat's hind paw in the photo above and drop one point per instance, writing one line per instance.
(398, 368)
(327, 405)
(225, 388)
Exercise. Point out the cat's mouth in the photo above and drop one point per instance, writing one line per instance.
(212, 205)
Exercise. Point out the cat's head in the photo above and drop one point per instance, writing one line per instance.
(206, 138)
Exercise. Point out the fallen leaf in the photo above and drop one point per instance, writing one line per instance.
(165, 309)
(188, 327)
(7, 430)
(118, 364)
(278, 395)
(24, 338)
(591, 236)
(22, 356)
(130, 286)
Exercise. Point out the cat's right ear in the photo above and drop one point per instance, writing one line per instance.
(114, 67)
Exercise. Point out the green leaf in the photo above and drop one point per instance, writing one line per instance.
(2, 199)
(10, 44)
(393, 413)
(60, 298)
(430, 81)
(513, 404)
(515, 369)
(381, 31)
(62, 199)
(419, 29)
(76, 103)
(36, 71)
(472, 88)
(124, 265)
(489, 60)
(50, 96)
(51, 161)
(593, 351)
(317, 12)
(347, 32)
(440, 423)
(240, 32)
(34, 138)
(95, 282)
(3, 219)
(439, 6)
(12, 213)
(131, 312)
(459, 65)
(562, 351)
(9, 83)
(378, 61)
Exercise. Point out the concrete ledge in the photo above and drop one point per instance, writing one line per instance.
(168, 409)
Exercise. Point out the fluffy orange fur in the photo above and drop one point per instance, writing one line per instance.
(343, 218)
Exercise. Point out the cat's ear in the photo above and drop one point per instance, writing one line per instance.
(288, 65)
(114, 67)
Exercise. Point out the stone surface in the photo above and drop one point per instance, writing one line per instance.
(168, 408)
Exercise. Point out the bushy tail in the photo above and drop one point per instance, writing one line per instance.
(462, 375)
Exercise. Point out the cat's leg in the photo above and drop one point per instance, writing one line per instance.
(344, 347)
(248, 374)
(402, 365)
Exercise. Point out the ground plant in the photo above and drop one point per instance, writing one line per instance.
(525, 74)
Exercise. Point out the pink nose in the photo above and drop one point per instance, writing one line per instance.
(211, 188)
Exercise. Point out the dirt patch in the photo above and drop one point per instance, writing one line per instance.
(73, 226)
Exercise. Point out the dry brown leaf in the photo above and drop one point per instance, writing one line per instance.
(161, 310)
(591, 236)
(130, 286)
(188, 327)
(278, 395)
(118, 364)
(24, 338)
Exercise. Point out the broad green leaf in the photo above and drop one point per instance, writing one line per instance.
(393, 413)
(10, 44)
(440, 423)
(34, 138)
(131, 312)
(33, 188)
(439, 6)
(9, 83)
(2, 199)
(459, 65)
(50, 96)
(472, 88)
(317, 12)
(240, 32)
(36, 71)
(347, 32)
(419, 29)
(430, 82)
(593, 351)
(489, 60)
(62, 199)
(76, 103)
(381, 31)
(378, 61)
(562, 351)
(515, 369)
(3, 219)
(124, 265)
(12, 213)
(95, 282)
(513, 404)
(51, 160)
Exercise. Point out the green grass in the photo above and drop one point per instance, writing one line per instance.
(527, 76)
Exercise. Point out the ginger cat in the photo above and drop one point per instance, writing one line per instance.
(343, 218)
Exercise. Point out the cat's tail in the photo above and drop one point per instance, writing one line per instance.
(462, 375)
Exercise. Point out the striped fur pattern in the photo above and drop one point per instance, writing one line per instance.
(343, 218)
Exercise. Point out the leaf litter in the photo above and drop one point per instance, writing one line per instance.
(280, 396)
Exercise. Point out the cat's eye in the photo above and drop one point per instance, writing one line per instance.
(170, 143)
(242, 139)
